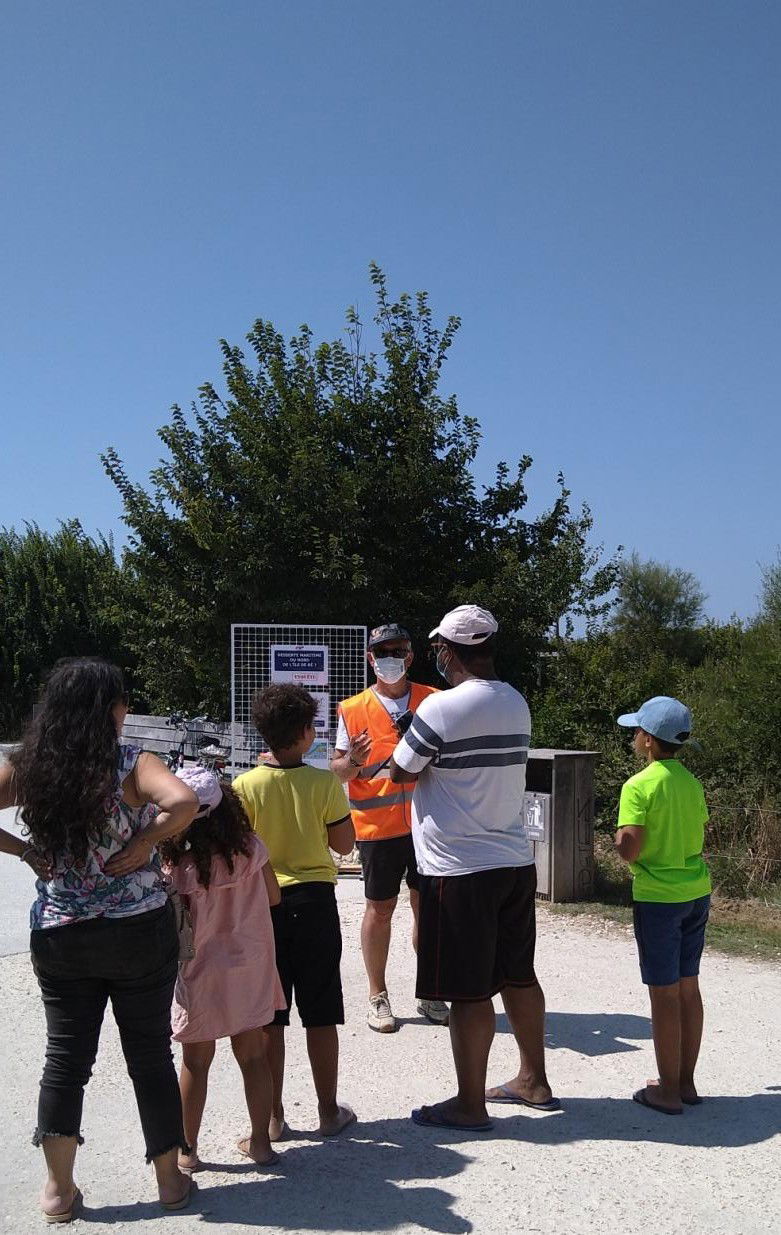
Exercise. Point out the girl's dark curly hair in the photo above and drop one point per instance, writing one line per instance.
(66, 766)
(225, 831)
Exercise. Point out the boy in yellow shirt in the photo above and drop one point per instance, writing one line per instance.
(300, 813)
(661, 829)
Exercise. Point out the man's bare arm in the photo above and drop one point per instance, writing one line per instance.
(346, 764)
(399, 776)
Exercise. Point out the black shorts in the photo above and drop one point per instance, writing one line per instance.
(385, 863)
(308, 941)
(476, 933)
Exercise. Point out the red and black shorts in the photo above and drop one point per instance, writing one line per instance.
(476, 933)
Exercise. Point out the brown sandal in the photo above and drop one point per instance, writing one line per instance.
(65, 1215)
(172, 1206)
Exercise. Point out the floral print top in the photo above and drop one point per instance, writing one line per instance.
(77, 892)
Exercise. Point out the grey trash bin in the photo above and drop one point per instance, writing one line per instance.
(558, 809)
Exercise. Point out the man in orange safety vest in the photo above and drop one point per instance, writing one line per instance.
(370, 725)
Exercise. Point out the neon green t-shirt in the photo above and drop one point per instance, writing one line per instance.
(291, 810)
(669, 804)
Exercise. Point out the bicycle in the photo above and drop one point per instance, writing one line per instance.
(211, 753)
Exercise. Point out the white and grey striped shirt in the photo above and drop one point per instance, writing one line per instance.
(469, 745)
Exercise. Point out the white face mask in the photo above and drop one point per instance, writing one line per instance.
(390, 669)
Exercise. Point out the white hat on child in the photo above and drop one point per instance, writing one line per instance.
(205, 785)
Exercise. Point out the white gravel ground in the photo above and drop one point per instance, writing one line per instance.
(603, 1164)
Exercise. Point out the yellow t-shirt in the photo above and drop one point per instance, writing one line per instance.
(291, 810)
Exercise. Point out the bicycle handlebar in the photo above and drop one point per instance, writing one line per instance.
(179, 720)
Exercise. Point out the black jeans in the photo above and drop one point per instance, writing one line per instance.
(133, 962)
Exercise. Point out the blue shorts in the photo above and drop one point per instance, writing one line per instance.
(670, 939)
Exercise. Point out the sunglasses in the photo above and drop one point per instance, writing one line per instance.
(400, 652)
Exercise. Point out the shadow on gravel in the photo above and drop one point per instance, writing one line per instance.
(720, 1123)
(357, 1183)
(590, 1033)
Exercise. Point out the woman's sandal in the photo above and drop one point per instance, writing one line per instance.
(243, 1146)
(65, 1215)
(190, 1162)
(172, 1206)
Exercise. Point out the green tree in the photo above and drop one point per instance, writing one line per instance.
(734, 691)
(770, 595)
(591, 682)
(61, 594)
(735, 697)
(647, 647)
(330, 483)
(659, 606)
(655, 597)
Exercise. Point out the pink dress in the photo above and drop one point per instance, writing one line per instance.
(231, 984)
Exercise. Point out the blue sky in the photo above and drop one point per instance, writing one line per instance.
(593, 187)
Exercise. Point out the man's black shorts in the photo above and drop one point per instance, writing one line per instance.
(308, 941)
(385, 863)
(476, 933)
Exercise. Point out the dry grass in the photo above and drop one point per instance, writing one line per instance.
(738, 926)
(744, 847)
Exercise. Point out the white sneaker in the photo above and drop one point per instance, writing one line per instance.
(380, 1016)
(434, 1010)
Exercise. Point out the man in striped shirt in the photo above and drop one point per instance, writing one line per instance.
(466, 751)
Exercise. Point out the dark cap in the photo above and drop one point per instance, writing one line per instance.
(381, 634)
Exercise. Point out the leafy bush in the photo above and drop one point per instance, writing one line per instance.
(61, 594)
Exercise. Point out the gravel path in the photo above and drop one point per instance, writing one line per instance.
(602, 1164)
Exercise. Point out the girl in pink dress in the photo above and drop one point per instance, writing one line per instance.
(230, 989)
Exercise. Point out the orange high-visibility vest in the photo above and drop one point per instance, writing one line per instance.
(380, 809)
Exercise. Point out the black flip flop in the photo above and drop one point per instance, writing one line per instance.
(641, 1098)
(698, 1101)
(432, 1117)
(513, 1099)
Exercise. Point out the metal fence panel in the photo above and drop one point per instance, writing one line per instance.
(330, 661)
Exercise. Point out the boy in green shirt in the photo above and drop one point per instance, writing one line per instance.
(661, 828)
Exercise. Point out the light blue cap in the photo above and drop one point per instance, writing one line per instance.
(665, 718)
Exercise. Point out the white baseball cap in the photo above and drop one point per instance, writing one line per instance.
(467, 624)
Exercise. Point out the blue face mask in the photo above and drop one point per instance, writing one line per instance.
(442, 672)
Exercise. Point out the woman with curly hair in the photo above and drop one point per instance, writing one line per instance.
(103, 928)
(230, 988)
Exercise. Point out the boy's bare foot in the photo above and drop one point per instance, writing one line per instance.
(277, 1127)
(261, 1155)
(689, 1094)
(333, 1124)
(190, 1162)
(527, 1093)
